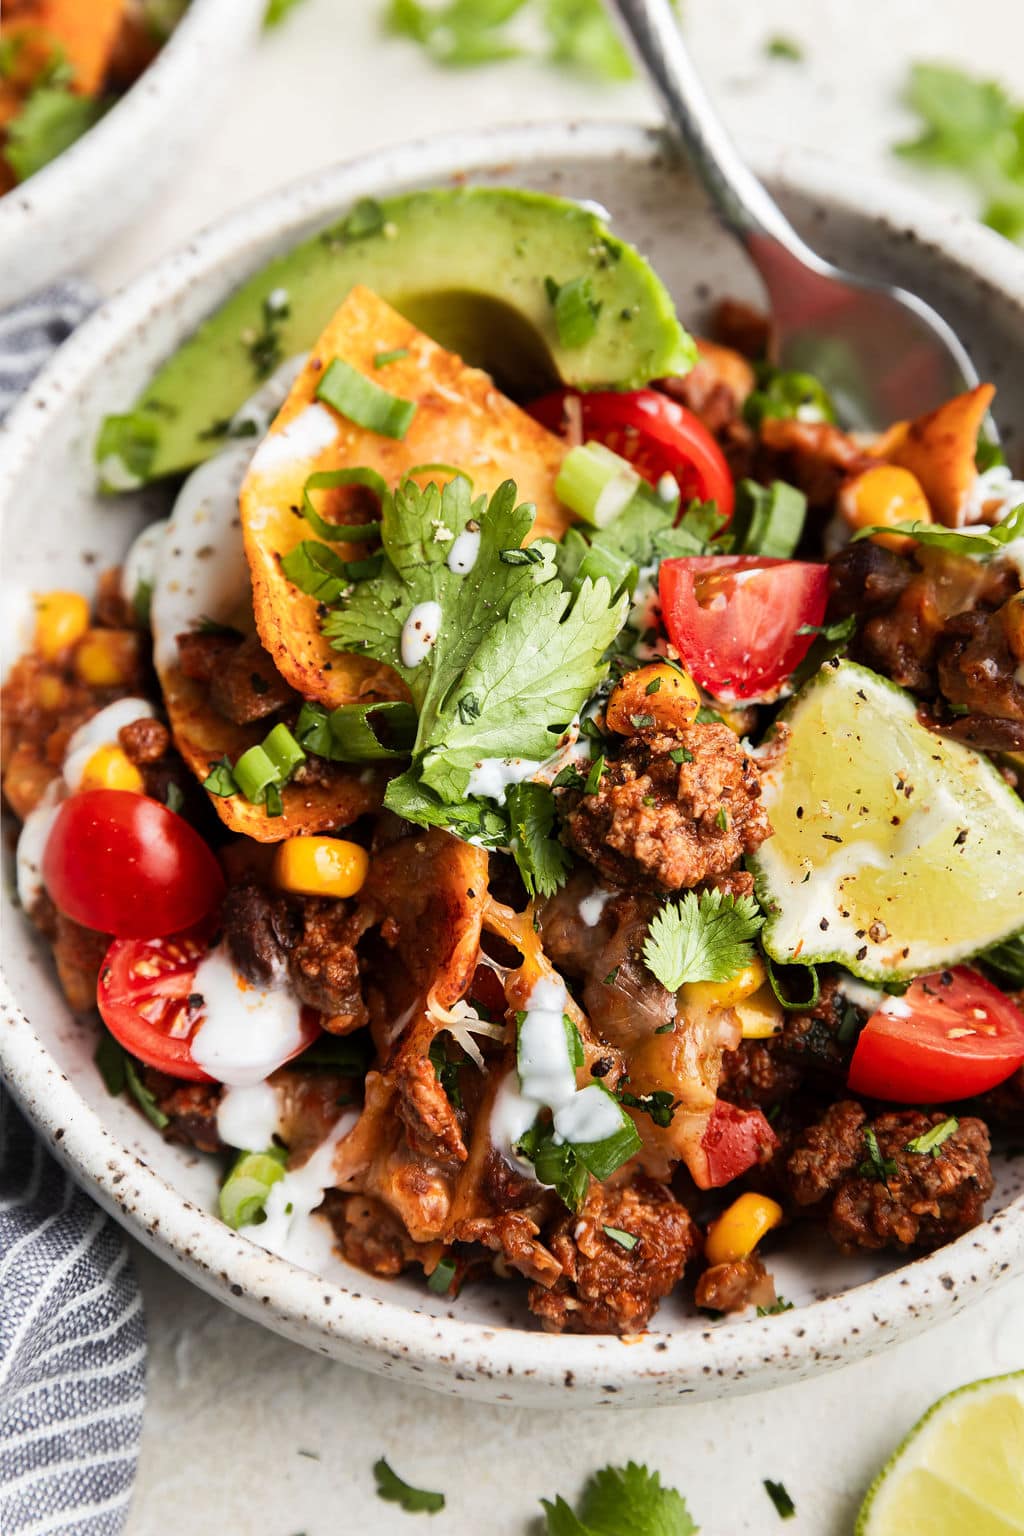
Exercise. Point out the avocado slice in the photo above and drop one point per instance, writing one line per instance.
(468, 265)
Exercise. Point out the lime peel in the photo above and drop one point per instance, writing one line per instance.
(896, 851)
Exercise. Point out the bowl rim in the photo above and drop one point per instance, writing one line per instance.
(498, 1361)
(133, 113)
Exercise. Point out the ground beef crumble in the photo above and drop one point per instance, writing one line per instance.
(925, 1200)
(604, 1287)
(655, 824)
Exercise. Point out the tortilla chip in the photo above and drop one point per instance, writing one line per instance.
(939, 449)
(461, 419)
(203, 736)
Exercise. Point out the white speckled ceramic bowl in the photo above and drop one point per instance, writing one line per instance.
(72, 207)
(56, 532)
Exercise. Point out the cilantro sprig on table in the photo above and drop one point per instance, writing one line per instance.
(395, 1490)
(974, 128)
(702, 938)
(462, 34)
(515, 657)
(622, 1501)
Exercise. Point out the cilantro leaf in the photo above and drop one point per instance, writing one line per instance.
(784, 1505)
(973, 127)
(583, 37)
(644, 533)
(958, 541)
(460, 34)
(543, 861)
(394, 1490)
(875, 1166)
(534, 667)
(622, 1501)
(701, 938)
(277, 11)
(51, 120)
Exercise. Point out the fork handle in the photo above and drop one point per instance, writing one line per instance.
(742, 202)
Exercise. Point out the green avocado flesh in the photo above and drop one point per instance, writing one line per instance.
(896, 851)
(468, 265)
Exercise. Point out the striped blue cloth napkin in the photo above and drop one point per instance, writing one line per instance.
(72, 1332)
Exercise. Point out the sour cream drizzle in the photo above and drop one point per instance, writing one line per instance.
(289, 1228)
(463, 554)
(247, 1032)
(419, 633)
(248, 1118)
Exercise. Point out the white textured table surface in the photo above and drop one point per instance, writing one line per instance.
(249, 1436)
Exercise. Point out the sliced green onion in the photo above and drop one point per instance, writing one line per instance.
(284, 751)
(353, 395)
(358, 733)
(438, 469)
(329, 480)
(596, 483)
(769, 520)
(244, 1192)
(381, 359)
(624, 1239)
(441, 1277)
(254, 770)
(794, 1007)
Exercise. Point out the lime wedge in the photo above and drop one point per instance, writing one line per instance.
(896, 851)
(960, 1471)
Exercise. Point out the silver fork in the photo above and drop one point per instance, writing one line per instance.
(881, 351)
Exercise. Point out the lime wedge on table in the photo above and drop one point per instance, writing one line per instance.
(960, 1471)
(896, 851)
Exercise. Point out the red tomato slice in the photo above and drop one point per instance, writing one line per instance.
(657, 435)
(143, 997)
(734, 619)
(950, 1036)
(124, 864)
(735, 1140)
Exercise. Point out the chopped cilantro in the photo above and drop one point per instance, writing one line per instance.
(568, 777)
(933, 1141)
(624, 1239)
(781, 47)
(277, 10)
(461, 34)
(221, 778)
(543, 861)
(594, 777)
(701, 938)
(621, 1500)
(143, 1096)
(446, 1072)
(784, 1506)
(875, 1166)
(660, 1104)
(51, 120)
(394, 1490)
(680, 755)
(265, 346)
(785, 396)
(780, 1304)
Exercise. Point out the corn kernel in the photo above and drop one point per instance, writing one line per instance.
(62, 618)
(738, 1230)
(320, 866)
(668, 695)
(760, 1015)
(111, 768)
(1012, 615)
(884, 494)
(107, 658)
(50, 692)
(725, 994)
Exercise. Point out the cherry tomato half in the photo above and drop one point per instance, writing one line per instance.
(657, 435)
(735, 1140)
(147, 999)
(734, 619)
(950, 1036)
(124, 864)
